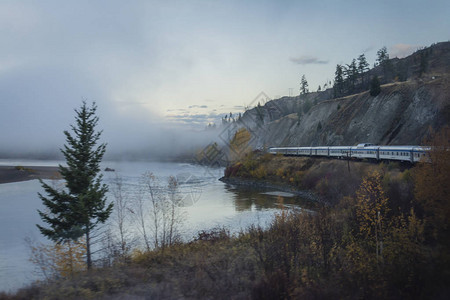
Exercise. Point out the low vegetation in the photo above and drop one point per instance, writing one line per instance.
(22, 168)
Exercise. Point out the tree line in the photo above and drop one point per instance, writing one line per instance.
(357, 76)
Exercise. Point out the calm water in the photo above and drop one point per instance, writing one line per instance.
(208, 203)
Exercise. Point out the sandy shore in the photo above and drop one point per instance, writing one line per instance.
(22, 173)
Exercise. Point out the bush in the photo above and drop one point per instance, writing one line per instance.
(259, 173)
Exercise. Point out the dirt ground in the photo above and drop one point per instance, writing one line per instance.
(22, 173)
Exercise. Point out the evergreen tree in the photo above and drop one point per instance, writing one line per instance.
(382, 56)
(363, 67)
(76, 210)
(375, 88)
(352, 74)
(304, 86)
(338, 81)
(384, 62)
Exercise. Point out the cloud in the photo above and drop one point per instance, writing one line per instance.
(178, 109)
(308, 60)
(193, 120)
(402, 50)
(198, 106)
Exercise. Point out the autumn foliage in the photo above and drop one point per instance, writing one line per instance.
(61, 260)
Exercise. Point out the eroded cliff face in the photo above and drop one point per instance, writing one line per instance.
(401, 114)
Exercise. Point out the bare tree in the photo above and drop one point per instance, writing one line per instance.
(121, 212)
(158, 212)
(175, 216)
(146, 184)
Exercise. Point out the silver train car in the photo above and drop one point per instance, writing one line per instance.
(410, 154)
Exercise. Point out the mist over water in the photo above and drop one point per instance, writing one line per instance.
(127, 137)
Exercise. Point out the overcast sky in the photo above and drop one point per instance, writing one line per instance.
(151, 65)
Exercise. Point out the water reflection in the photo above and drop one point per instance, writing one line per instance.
(247, 198)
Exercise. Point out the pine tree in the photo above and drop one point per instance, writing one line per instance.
(384, 62)
(363, 67)
(338, 82)
(76, 210)
(375, 88)
(352, 74)
(382, 56)
(304, 86)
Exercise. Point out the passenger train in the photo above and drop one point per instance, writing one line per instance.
(410, 154)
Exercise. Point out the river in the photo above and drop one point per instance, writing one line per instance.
(207, 203)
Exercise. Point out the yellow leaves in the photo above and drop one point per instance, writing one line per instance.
(280, 172)
(61, 260)
(69, 257)
(259, 173)
(371, 204)
(139, 256)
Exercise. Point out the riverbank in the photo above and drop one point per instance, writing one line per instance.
(10, 174)
(320, 179)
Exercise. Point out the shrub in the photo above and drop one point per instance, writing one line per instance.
(259, 173)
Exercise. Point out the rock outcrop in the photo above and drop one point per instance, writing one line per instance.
(402, 113)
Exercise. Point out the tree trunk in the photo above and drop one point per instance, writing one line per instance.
(88, 249)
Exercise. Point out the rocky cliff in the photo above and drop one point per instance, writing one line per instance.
(401, 114)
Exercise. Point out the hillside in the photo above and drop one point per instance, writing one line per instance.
(401, 114)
